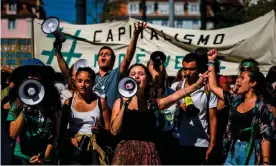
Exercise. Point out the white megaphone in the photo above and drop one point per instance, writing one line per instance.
(50, 26)
(81, 63)
(31, 92)
(127, 87)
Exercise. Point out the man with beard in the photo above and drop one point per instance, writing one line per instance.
(195, 141)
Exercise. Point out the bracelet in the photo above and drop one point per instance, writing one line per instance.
(211, 63)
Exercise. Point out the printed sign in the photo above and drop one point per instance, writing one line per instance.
(254, 39)
(14, 50)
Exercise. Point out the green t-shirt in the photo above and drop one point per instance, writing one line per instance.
(34, 135)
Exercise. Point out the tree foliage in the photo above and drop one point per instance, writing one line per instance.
(111, 9)
(227, 14)
(253, 11)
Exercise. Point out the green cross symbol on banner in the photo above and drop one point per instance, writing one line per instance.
(69, 55)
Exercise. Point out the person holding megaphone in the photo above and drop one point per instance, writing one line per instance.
(87, 116)
(35, 115)
(133, 119)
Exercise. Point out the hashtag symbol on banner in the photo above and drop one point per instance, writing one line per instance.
(221, 67)
(68, 55)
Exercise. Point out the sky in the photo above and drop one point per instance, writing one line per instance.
(65, 10)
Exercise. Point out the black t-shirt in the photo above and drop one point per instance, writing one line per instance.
(241, 121)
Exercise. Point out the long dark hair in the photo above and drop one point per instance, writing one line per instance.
(260, 88)
(179, 75)
(158, 90)
(271, 92)
(271, 75)
(71, 85)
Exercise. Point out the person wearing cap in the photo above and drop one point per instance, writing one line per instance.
(197, 131)
(107, 79)
(35, 127)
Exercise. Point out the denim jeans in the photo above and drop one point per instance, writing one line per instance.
(238, 157)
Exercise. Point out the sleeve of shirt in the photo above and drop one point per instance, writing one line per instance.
(267, 124)
(116, 72)
(65, 94)
(228, 97)
(213, 101)
(11, 116)
(173, 86)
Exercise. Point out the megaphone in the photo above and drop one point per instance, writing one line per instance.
(158, 58)
(31, 92)
(81, 63)
(127, 87)
(50, 26)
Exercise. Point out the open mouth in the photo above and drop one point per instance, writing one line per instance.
(138, 82)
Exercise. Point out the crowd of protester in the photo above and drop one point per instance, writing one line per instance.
(201, 118)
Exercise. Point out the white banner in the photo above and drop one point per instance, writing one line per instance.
(256, 39)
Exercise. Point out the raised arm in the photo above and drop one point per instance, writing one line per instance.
(168, 101)
(212, 54)
(138, 28)
(61, 62)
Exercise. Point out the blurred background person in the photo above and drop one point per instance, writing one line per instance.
(180, 76)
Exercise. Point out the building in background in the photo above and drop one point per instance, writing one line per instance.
(16, 29)
(17, 15)
(186, 13)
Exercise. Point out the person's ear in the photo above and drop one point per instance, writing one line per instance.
(253, 84)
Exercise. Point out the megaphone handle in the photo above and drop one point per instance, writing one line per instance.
(57, 44)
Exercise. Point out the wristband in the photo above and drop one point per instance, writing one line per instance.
(211, 63)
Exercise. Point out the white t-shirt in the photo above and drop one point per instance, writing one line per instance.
(174, 85)
(193, 130)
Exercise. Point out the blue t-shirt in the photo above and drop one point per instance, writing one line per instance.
(107, 86)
